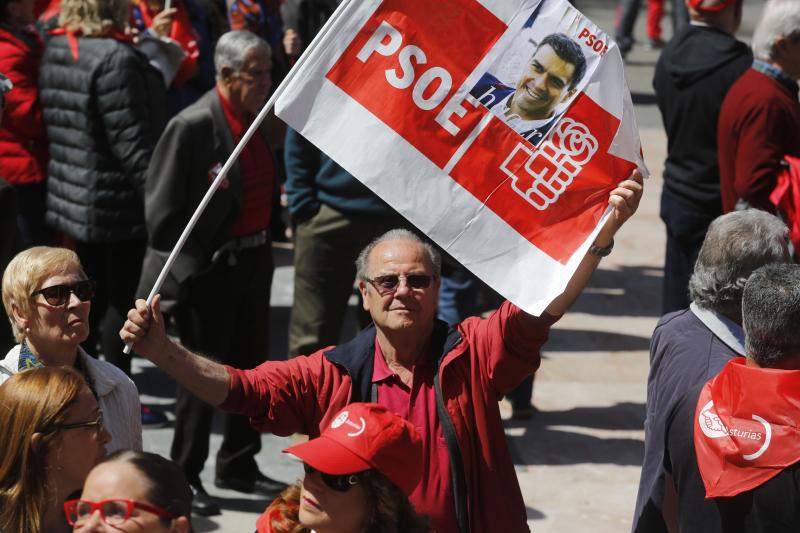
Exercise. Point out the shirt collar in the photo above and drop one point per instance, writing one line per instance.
(380, 369)
(236, 122)
(27, 359)
(776, 74)
(724, 328)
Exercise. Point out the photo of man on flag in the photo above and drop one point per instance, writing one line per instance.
(532, 82)
(388, 90)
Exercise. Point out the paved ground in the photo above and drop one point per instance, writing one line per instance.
(578, 460)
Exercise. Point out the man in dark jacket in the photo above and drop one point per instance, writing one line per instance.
(445, 380)
(692, 76)
(690, 346)
(219, 287)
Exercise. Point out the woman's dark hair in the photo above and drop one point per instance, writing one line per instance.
(168, 486)
(390, 510)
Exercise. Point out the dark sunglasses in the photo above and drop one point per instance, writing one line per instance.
(341, 483)
(388, 283)
(58, 295)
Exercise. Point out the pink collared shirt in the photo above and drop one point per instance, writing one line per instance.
(434, 495)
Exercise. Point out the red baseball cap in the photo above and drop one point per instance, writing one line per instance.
(365, 436)
(709, 5)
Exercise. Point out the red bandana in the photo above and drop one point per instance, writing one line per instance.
(745, 429)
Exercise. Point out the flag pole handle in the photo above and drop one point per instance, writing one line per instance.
(234, 155)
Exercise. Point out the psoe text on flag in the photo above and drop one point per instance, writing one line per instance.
(497, 127)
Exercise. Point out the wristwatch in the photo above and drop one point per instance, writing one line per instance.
(600, 251)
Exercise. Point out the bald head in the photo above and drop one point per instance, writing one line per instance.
(432, 257)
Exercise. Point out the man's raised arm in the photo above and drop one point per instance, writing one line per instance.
(625, 200)
(206, 379)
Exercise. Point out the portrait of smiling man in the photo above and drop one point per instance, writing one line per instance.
(550, 77)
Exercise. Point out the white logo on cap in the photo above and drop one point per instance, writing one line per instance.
(339, 420)
(342, 419)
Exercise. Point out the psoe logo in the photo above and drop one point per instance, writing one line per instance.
(343, 419)
(551, 168)
(712, 427)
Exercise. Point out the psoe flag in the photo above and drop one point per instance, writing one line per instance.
(497, 127)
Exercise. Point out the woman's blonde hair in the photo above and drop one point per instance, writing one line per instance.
(27, 271)
(94, 17)
(388, 508)
(33, 401)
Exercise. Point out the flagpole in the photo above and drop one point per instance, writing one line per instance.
(315, 43)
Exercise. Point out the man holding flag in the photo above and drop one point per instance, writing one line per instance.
(383, 90)
(447, 381)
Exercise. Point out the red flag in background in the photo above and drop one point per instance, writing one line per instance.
(746, 427)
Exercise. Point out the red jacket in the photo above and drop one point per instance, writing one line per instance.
(23, 141)
(478, 363)
(759, 124)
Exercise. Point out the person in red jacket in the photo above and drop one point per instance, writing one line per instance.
(445, 380)
(23, 141)
(759, 122)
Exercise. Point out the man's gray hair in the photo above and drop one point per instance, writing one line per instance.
(362, 262)
(780, 18)
(771, 314)
(232, 48)
(736, 244)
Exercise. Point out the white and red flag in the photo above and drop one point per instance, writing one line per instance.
(497, 127)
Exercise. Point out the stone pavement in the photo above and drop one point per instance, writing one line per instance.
(578, 459)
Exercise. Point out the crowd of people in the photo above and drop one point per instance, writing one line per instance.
(116, 116)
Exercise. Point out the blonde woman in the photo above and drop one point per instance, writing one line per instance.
(52, 436)
(47, 297)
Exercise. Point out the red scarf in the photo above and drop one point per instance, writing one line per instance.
(745, 429)
(72, 38)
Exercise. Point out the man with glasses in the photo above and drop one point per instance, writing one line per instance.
(445, 381)
(219, 288)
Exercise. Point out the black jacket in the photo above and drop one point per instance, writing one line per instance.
(692, 77)
(195, 145)
(104, 112)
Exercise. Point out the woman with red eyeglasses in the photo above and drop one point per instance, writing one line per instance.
(47, 298)
(359, 473)
(51, 435)
(133, 491)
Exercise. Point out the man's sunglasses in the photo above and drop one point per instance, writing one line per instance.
(58, 295)
(388, 283)
(341, 483)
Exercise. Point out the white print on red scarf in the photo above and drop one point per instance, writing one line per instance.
(552, 167)
(712, 427)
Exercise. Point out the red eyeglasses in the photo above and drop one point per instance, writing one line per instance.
(113, 512)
